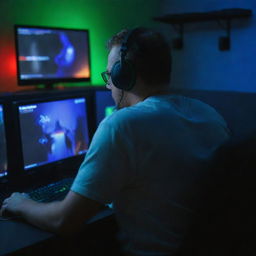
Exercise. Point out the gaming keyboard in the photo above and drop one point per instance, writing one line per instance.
(52, 192)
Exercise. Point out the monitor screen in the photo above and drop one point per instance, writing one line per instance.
(48, 55)
(53, 131)
(3, 151)
(105, 104)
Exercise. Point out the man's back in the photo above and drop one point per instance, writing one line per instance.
(153, 163)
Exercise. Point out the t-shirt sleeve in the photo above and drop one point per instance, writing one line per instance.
(107, 167)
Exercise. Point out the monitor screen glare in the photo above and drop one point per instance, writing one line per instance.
(3, 153)
(52, 54)
(53, 130)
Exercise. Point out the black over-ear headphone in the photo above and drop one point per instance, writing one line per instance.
(123, 72)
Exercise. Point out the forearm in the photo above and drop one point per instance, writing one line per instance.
(47, 216)
(63, 217)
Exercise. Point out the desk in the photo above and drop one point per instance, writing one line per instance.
(17, 235)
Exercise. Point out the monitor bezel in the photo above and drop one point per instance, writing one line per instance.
(62, 166)
(49, 81)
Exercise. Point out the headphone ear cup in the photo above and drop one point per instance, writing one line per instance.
(123, 75)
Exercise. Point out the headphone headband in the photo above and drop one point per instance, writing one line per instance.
(123, 73)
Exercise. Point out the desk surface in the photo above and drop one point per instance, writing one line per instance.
(16, 234)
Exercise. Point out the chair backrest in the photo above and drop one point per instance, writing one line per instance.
(226, 223)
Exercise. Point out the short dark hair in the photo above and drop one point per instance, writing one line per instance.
(149, 52)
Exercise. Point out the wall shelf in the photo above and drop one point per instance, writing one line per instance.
(223, 17)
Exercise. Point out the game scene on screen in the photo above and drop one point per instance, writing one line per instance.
(51, 131)
(52, 53)
(3, 153)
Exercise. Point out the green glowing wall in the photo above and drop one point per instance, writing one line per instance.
(101, 17)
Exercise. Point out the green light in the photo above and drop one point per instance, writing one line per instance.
(83, 14)
(109, 110)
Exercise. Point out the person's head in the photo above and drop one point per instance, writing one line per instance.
(139, 65)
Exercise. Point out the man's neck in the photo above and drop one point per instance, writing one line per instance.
(132, 98)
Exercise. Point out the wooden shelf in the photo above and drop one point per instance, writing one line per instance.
(225, 15)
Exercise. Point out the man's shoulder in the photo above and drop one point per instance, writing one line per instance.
(120, 116)
(171, 105)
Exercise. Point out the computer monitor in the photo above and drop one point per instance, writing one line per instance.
(3, 151)
(104, 104)
(52, 130)
(47, 55)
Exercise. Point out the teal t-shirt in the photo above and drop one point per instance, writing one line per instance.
(148, 161)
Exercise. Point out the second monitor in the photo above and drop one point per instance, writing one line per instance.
(47, 55)
(52, 130)
(3, 151)
(104, 104)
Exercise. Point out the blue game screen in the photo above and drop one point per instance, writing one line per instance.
(3, 153)
(48, 53)
(53, 130)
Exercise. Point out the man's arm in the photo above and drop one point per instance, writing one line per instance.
(62, 217)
